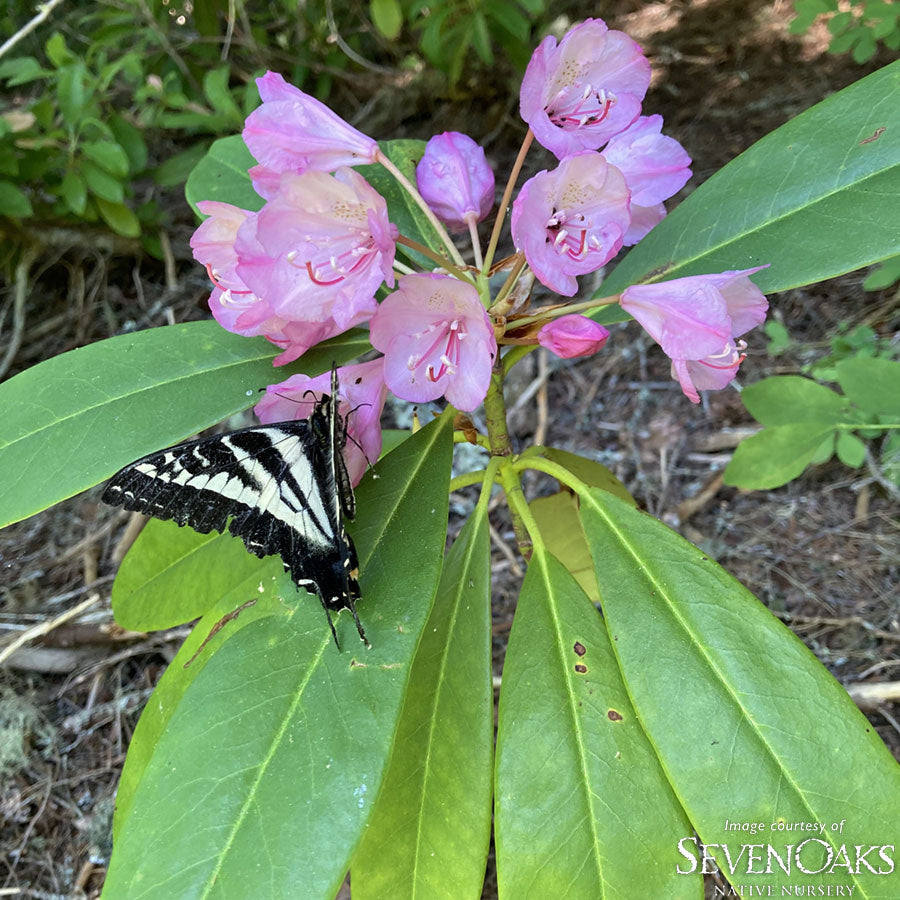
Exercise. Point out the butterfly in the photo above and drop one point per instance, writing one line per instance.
(283, 489)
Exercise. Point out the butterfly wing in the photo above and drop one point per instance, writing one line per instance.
(274, 483)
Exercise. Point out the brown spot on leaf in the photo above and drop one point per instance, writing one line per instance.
(614, 716)
(580, 669)
(579, 648)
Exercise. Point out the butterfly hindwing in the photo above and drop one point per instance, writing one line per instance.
(282, 488)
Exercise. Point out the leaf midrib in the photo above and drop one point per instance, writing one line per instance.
(576, 725)
(471, 547)
(663, 593)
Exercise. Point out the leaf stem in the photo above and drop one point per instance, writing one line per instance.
(555, 470)
(467, 479)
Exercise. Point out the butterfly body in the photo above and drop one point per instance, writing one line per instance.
(282, 488)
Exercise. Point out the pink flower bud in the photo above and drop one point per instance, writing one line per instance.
(455, 179)
(572, 336)
(577, 95)
(293, 132)
(655, 167)
(696, 320)
(362, 395)
(437, 340)
(572, 220)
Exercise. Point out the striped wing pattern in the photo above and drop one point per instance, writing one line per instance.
(274, 486)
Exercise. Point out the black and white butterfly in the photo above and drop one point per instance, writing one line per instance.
(284, 487)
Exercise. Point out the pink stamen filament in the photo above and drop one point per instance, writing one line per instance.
(215, 280)
(453, 332)
(361, 255)
(577, 114)
(734, 354)
(573, 242)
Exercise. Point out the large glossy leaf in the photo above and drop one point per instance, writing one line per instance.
(582, 807)
(275, 595)
(746, 722)
(557, 519)
(73, 420)
(429, 833)
(173, 574)
(815, 198)
(266, 769)
(222, 174)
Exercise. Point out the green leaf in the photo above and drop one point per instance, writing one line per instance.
(406, 215)
(73, 420)
(824, 451)
(57, 51)
(108, 155)
(884, 276)
(217, 91)
(582, 806)
(748, 725)
(561, 531)
(14, 201)
(131, 140)
(387, 17)
(279, 721)
(74, 192)
(218, 625)
(816, 198)
(176, 169)
(851, 451)
(779, 339)
(775, 456)
(430, 831)
(222, 174)
(872, 384)
(22, 70)
(786, 399)
(101, 183)
(173, 574)
(119, 217)
(72, 93)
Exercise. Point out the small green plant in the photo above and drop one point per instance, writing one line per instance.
(856, 30)
(451, 30)
(806, 422)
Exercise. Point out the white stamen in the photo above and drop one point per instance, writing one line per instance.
(562, 234)
(290, 257)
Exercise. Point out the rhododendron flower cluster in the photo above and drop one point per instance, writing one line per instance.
(320, 255)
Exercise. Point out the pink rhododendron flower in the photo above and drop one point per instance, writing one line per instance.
(319, 249)
(293, 132)
(573, 335)
(572, 220)
(454, 178)
(234, 306)
(696, 320)
(655, 167)
(577, 95)
(437, 339)
(362, 395)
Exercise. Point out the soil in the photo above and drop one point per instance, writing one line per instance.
(822, 552)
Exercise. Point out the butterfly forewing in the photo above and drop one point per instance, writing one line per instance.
(282, 488)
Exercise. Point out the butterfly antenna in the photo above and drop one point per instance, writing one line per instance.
(337, 643)
(359, 628)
